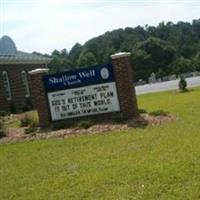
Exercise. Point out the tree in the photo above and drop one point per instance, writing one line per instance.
(86, 59)
(153, 55)
(160, 73)
(182, 84)
(60, 61)
(164, 49)
(196, 62)
(75, 53)
(183, 65)
(141, 60)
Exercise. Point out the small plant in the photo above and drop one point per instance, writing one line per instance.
(141, 110)
(25, 121)
(3, 113)
(2, 130)
(158, 113)
(85, 124)
(30, 129)
(30, 119)
(182, 84)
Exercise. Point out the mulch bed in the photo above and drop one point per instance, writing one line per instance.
(18, 135)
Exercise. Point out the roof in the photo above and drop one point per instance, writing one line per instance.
(10, 55)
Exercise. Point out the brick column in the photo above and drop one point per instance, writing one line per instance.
(38, 96)
(124, 82)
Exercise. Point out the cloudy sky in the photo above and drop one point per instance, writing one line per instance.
(45, 25)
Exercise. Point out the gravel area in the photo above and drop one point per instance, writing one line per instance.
(18, 135)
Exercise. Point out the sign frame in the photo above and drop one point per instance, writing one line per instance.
(78, 78)
(97, 75)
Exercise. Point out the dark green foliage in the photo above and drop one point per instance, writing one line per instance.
(25, 121)
(29, 119)
(3, 113)
(158, 113)
(152, 55)
(166, 49)
(86, 59)
(183, 65)
(75, 53)
(196, 62)
(60, 61)
(85, 124)
(182, 84)
(30, 129)
(2, 130)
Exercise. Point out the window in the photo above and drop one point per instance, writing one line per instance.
(25, 83)
(6, 84)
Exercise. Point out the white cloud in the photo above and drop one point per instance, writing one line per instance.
(47, 25)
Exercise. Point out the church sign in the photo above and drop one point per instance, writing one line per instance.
(82, 92)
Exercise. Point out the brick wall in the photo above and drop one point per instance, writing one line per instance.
(16, 84)
(124, 82)
(125, 89)
(39, 97)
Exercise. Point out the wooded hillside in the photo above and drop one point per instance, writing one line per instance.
(166, 49)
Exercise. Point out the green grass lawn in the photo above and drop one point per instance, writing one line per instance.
(160, 162)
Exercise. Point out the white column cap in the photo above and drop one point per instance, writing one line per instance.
(38, 71)
(120, 55)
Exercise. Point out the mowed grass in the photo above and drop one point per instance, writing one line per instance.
(161, 162)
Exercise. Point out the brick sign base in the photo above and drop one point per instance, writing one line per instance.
(125, 90)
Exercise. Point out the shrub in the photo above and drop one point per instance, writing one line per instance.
(182, 84)
(30, 129)
(3, 113)
(2, 130)
(25, 121)
(85, 124)
(158, 113)
(30, 119)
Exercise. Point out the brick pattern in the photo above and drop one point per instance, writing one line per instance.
(16, 84)
(125, 88)
(39, 99)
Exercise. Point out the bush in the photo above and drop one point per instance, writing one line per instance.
(182, 84)
(30, 119)
(3, 113)
(158, 113)
(2, 130)
(25, 121)
(85, 124)
(30, 129)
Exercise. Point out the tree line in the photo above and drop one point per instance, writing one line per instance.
(169, 48)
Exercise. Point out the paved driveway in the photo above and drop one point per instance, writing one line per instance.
(164, 86)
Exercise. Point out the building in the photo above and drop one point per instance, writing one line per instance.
(14, 81)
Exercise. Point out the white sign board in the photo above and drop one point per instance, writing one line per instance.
(83, 101)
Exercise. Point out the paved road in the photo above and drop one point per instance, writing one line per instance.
(164, 86)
